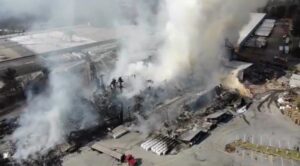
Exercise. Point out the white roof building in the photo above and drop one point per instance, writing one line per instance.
(266, 28)
(247, 30)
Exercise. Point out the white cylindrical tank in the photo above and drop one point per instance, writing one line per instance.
(164, 150)
(152, 143)
(163, 146)
(145, 143)
(161, 142)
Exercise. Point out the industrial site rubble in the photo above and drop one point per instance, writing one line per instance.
(150, 83)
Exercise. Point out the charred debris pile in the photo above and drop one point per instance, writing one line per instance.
(288, 103)
(111, 116)
(103, 102)
(259, 73)
(52, 158)
(196, 116)
(193, 124)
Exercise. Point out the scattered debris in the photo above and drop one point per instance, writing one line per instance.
(220, 116)
(288, 102)
(194, 136)
(242, 110)
(230, 148)
(258, 74)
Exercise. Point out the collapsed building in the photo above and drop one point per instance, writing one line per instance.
(196, 115)
(186, 119)
(24, 57)
(183, 119)
(24, 68)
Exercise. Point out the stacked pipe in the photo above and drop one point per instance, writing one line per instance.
(145, 144)
(170, 145)
(152, 143)
(159, 145)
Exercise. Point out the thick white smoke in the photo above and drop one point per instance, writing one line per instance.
(175, 42)
(49, 117)
(189, 42)
(52, 115)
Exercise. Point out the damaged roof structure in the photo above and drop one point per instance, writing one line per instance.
(255, 20)
(194, 135)
(125, 108)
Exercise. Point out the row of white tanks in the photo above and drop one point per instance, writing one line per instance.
(160, 145)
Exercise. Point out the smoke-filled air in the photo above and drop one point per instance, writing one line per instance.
(172, 42)
(183, 44)
(52, 115)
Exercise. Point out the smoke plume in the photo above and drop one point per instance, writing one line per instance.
(172, 42)
(52, 115)
(179, 46)
(232, 82)
(183, 43)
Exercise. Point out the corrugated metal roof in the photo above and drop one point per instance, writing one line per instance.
(263, 32)
(190, 134)
(237, 65)
(98, 147)
(255, 20)
(119, 132)
(268, 25)
(265, 28)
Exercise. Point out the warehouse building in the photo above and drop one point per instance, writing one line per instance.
(255, 34)
(24, 52)
(255, 20)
